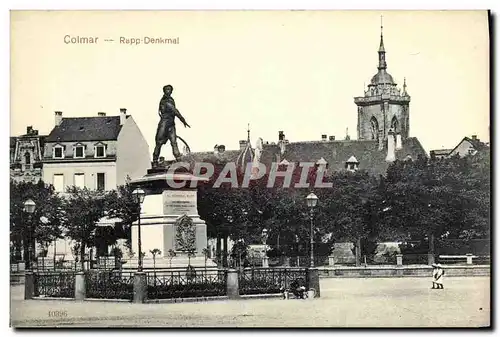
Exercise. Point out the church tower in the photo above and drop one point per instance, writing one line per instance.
(384, 106)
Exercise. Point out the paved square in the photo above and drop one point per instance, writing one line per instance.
(348, 302)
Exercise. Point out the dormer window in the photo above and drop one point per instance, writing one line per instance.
(100, 150)
(58, 151)
(79, 151)
(322, 162)
(352, 164)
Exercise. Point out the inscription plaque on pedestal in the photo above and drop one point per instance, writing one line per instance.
(178, 202)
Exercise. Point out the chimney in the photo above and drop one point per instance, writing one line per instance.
(58, 117)
(243, 144)
(399, 143)
(324, 137)
(332, 138)
(101, 114)
(281, 135)
(123, 115)
(29, 130)
(391, 144)
(474, 137)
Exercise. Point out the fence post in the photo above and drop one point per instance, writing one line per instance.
(80, 292)
(331, 260)
(233, 289)
(399, 259)
(29, 285)
(140, 287)
(469, 258)
(314, 281)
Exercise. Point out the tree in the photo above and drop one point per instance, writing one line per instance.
(44, 225)
(83, 208)
(205, 252)
(171, 255)
(438, 200)
(120, 204)
(155, 252)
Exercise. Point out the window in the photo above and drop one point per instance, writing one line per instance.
(79, 151)
(80, 180)
(58, 152)
(58, 182)
(100, 181)
(100, 151)
(27, 161)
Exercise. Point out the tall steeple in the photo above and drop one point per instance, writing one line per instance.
(381, 50)
(383, 106)
(248, 133)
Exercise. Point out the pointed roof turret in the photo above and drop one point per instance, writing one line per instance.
(381, 50)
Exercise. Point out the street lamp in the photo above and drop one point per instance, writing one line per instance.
(29, 207)
(139, 195)
(297, 241)
(264, 235)
(312, 200)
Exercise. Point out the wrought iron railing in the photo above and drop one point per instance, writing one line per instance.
(195, 282)
(54, 284)
(269, 280)
(109, 284)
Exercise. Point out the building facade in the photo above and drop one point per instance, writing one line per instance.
(94, 152)
(97, 153)
(26, 155)
(468, 146)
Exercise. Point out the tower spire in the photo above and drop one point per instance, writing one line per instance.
(248, 133)
(381, 50)
(404, 87)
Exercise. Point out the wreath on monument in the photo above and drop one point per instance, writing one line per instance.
(185, 236)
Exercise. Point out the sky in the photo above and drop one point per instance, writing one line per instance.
(291, 71)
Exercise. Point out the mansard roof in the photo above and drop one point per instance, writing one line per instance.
(337, 153)
(76, 129)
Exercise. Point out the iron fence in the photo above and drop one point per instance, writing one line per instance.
(184, 283)
(109, 284)
(269, 280)
(54, 284)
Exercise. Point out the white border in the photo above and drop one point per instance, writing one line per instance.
(191, 5)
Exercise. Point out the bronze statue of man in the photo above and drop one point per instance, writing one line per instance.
(166, 127)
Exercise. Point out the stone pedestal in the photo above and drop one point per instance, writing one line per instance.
(265, 262)
(80, 286)
(140, 287)
(233, 290)
(314, 281)
(29, 285)
(170, 220)
(331, 261)
(469, 258)
(399, 259)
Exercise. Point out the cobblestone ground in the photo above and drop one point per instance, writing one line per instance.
(369, 302)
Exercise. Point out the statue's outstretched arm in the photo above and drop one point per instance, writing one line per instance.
(178, 114)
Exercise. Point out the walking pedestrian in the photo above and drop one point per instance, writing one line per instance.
(437, 276)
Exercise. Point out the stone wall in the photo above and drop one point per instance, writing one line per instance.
(401, 271)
